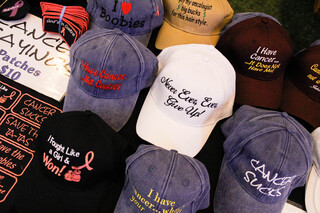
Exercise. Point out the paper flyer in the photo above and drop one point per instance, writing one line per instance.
(34, 58)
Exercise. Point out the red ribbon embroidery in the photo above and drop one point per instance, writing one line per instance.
(75, 175)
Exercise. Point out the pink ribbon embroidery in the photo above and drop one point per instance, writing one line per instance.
(75, 175)
(4, 98)
(14, 8)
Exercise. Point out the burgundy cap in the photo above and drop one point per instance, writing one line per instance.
(259, 49)
(301, 93)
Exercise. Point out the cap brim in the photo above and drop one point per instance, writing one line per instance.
(144, 39)
(298, 104)
(231, 197)
(115, 112)
(170, 36)
(37, 194)
(258, 93)
(313, 192)
(157, 128)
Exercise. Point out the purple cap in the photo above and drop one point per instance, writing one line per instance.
(108, 70)
(159, 180)
(267, 155)
(136, 18)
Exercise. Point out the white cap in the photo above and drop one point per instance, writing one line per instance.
(312, 198)
(194, 89)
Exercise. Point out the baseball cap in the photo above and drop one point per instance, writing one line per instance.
(108, 70)
(159, 180)
(312, 196)
(301, 93)
(14, 9)
(267, 154)
(194, 89)
(259, 48)
(78, 159)
(136, 18)
(195, 21)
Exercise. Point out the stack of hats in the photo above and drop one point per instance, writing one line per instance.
(35, 8)
(69, 22)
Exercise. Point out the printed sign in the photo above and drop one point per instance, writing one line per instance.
(33, 58)
(18, 130)
(7, 182)
(14, 159)
(22, 111)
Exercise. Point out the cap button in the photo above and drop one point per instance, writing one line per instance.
(206, 59)
(88, 112)
(284, 114)
(118, 31)
(290, 130)
(265, 20)
(211, 48)
(173, 150)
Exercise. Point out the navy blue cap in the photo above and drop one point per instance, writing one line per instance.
(159, 180)
(267, 155)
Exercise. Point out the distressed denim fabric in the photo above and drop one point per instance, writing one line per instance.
(158, 180)
(267, 155)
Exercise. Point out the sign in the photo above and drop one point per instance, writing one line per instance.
(34, 58)
(22, 111)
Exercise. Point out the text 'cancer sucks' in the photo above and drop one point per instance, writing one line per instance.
(182, 100)
(264, 181)
(102, 75)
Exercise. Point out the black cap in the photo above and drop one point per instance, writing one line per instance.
(13, 9)
(78, 162)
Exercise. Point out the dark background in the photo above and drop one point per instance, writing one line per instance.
(303, 26)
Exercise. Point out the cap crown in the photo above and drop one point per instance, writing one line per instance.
(195, 84)
(198, 17)
(132, 17)
(304, 71)
(268, 152)
(167, 180)
(110, 64)
(257, 47)
(78, 150)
